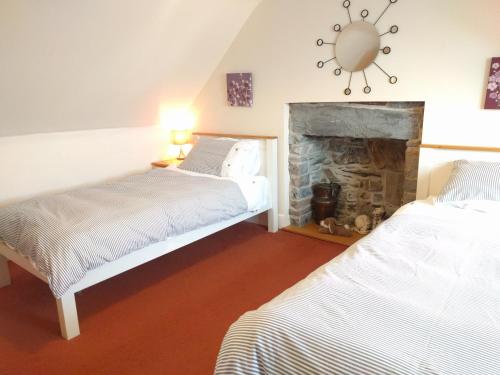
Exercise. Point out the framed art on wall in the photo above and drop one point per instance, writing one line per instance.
(240, 89)
(493, 90)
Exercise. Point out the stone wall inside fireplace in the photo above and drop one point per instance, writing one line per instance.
(370, 149)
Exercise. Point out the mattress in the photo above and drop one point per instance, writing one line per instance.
(69, 234)
(419, 295)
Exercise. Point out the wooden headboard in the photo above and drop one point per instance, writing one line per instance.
(236, 136)
(436, 162)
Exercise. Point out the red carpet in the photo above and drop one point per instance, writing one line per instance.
(166, 317)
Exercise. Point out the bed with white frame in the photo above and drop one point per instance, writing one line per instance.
(418, 295)
(66, 305)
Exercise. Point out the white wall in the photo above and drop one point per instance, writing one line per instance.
(75, 65)
(440, 56)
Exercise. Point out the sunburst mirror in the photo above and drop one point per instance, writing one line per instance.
(357, 46)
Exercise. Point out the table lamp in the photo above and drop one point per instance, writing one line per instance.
(180, 138)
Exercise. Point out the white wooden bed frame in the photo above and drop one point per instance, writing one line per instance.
(66, 305)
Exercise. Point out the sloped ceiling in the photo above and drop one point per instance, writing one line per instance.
(72, 65)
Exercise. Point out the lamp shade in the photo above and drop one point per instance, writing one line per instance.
(180, 137)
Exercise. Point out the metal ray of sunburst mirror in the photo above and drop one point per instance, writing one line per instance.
(357, 46)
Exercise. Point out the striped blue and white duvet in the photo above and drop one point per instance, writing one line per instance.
(66, 235)
(420, 295)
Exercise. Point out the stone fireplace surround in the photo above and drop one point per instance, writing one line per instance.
(370, 149)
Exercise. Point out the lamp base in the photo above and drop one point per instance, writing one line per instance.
(182, 155)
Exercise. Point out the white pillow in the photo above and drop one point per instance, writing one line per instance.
(472, 180)
(242, 160)
(208, 155)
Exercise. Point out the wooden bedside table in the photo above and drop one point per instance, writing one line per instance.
(165, 163)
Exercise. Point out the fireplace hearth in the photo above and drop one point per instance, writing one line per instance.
(370, 149)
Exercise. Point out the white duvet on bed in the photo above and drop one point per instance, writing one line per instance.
(420, 295)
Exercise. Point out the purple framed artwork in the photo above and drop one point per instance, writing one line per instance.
(240, 89)
(493, 90)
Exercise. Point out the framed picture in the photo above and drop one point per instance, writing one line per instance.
(240, 89)
(493, 89)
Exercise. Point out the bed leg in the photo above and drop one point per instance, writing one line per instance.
(68, 316)
(4, 272)
(272, 175)
(272, 220)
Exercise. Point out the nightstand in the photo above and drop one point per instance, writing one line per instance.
(165, 163)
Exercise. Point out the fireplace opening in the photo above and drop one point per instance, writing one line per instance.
(370, 149)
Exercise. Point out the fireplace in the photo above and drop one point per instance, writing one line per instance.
(370, 149)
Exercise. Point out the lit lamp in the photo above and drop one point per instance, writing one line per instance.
(180, 138)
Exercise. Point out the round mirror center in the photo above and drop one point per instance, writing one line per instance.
(357, 46)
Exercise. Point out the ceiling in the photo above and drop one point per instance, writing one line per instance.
(73, 65)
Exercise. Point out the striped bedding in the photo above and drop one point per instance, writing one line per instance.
(420, 295)
(472, 180)
(66, 235)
